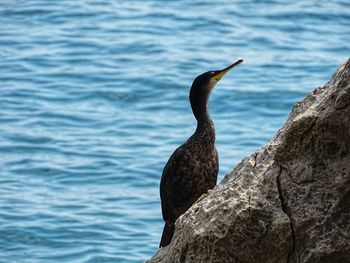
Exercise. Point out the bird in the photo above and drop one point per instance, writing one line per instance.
(193, 167)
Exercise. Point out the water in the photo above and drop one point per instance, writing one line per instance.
(94, 99)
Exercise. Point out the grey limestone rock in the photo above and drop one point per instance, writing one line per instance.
(287, 202)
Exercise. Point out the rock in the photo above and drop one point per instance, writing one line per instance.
(287, 202)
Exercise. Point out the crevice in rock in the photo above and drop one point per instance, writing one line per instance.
(249, 207)
(286, 210)
(232, 256)
(183, 255)
(302, 182)
(306, 133)
(297, 182)
(255, 157)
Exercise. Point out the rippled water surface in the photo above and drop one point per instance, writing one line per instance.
(94, 99)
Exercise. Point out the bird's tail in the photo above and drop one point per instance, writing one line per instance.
(167, 235)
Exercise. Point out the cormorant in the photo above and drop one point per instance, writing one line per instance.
(193, 167)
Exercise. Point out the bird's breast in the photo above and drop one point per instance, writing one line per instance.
(200, 162)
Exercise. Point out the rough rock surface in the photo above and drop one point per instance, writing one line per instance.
(287, 202)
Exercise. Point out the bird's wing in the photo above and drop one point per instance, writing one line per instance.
(216, 169)
(176, 192)
(169, 173)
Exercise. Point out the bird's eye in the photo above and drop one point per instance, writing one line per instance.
(212, 73)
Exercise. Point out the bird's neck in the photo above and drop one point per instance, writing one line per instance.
(205, 125)
(206, 131)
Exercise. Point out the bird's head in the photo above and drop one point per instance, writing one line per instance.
(204, 83)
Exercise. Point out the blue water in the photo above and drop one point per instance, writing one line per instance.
(94, 99)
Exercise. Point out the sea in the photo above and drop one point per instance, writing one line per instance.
(94, 99)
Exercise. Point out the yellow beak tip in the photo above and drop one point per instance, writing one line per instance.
(224, 71)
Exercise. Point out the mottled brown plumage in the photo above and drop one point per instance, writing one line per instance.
(193, 168)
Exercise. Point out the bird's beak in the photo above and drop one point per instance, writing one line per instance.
(222, 72)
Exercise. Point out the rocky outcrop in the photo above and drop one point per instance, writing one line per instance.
(287, 202)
